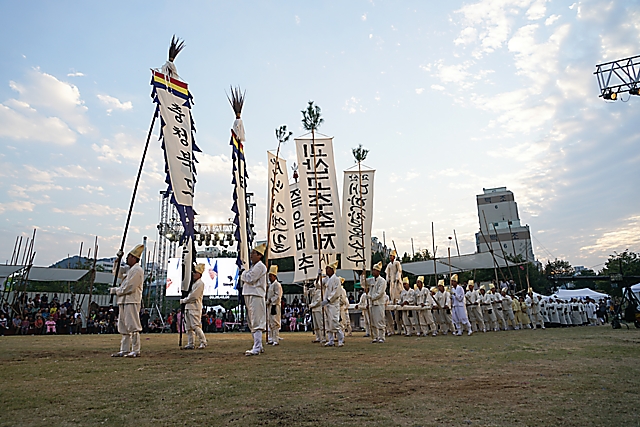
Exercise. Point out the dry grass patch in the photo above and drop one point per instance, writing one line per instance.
(573, 377)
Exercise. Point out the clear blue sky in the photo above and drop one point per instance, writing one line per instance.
(450, 97)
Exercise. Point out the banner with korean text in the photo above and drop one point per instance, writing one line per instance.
(357, 217)
(281, 236)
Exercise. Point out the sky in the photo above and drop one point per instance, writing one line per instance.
(449, 97)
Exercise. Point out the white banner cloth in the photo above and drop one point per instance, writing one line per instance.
(178, 142)
(281, 234)
(357, 220)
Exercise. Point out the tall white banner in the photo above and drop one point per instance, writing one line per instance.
(357, 217)
(281, 234)
(319, 192)
(305, 258)
(177, 136)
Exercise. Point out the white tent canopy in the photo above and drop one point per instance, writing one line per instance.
(578, 293)
(426, 268)
(46, 274)
(635, 288)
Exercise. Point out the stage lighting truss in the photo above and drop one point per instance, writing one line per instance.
(618, 77)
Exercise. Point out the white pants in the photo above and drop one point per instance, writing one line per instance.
(194, 327)
(377, 321)
(256, 312)
(129, 327)
(275, 321)
(425, 319)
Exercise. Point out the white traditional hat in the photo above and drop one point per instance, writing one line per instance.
(378, 266)
(333, 265)
(273, 270)
(199, 268)
(492, 286)
(483, 288)
(405, 280)
(441, 282)
(420, 279)
(137, 251)
(454, 277)
(261, 248)
(470, 283)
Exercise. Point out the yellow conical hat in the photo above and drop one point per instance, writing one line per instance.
(492, 286)
(441, 282)
(261, 248)
(420, 279)
(394, 253)
(470, 283)
(137, 251)
(333, 265)
(454, 277)
(199, 268)
(433, 289)
(378, 266)
(405, 280)
(273, 270)
(482, 288)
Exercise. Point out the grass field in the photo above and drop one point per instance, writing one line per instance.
(568, 377)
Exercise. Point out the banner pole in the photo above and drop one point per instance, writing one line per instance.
(133, 199)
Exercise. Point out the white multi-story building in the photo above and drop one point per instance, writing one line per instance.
(500, 225)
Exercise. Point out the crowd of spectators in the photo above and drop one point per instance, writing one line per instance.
(39, 315)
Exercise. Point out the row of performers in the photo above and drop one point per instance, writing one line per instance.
(419, 311)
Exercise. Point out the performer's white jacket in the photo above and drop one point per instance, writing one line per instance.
(254, 280)
(393, 273)
(377, 290)
(274, 293)
(130, 289)
(473, 297)
(193, 301)
(408, 296)
(332, 293)
(344, 300)
(316, 300)
(423, 296)
(363, 304)
(458, 297)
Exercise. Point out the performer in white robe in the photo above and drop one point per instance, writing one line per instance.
(316, 314)
(377, 294)
(274, 306)
(331, 303)
(474, 310)
(438, 308)
(129, 298)
(393, 274)
(345, 320)
(487, 309)
(459, 308)
(193, 310)
(507, 309)
(363, 306)
(254, 289)
(497, 308)
(425, 300)
(407, 297)
(536, 317)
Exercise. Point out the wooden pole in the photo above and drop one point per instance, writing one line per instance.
(363, 277)
(515, 255)
(93, 276)
(490, 246)
(315, 180)
(456, 237)
(133, 199)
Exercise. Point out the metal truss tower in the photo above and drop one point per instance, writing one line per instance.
(618, 77)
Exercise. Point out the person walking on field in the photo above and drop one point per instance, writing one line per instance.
(377, 298)
(193, 310)
(393, 273)
(129, 297)
(458, 307)
(254, 289)
(332, 306)
(274, 302)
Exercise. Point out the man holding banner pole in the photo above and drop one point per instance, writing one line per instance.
(254, 290)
